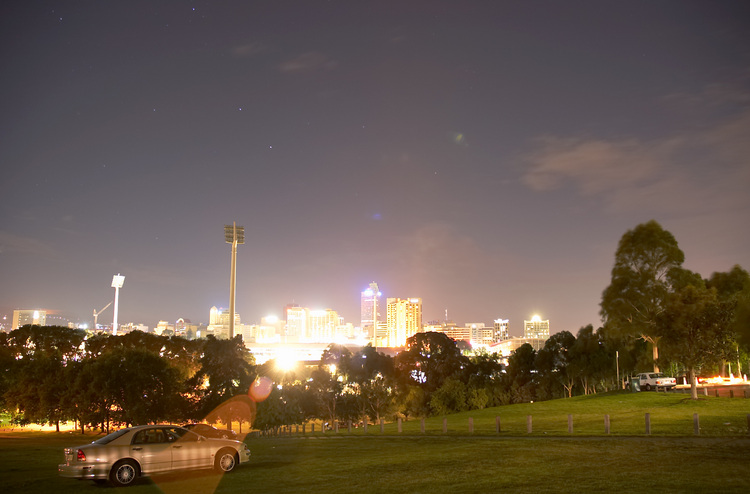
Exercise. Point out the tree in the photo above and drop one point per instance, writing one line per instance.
(734, 287)
(590, 360)
(646, 262)
(227, 369)
(429, 359)
(520, 374)
(553, 361)
(695, 328)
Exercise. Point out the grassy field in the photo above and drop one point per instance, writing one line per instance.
(548, 460)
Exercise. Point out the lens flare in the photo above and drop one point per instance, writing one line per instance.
(260, 389)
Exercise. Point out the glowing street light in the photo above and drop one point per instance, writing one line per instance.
(117, 281)
(234, 235)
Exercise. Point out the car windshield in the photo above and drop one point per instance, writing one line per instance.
(659, 375)
(111, 437)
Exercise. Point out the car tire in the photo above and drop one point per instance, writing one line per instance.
(123, 473)
(648, 387)
(226, 460)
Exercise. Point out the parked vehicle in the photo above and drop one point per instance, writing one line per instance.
(210, 431)
(654, 380)
(122, 457)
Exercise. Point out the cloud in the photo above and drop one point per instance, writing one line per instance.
(17, 244)
(248, 50)
(695, 169)
(307, 62)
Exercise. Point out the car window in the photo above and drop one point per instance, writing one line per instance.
(178, 433)
(150, 436)
(111, 437)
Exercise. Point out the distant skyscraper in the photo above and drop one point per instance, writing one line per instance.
(536, 328)
(31, 316)
(370, 309)
(404, 320)
(296, 323)
(322, 326)
(501, 330)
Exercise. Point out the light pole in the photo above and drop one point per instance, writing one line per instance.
(117, 281)
(234, 235)
(617, 362)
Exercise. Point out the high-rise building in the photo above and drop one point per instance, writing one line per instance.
(370, 309)
(536, 328)
(218, 322)
(22, 317)
(501, 330)
(404, 320)
(322, 326)
(296, 323)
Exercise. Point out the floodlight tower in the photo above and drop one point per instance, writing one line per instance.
(234, 235)
(117, 281)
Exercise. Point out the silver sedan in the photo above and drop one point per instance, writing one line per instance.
(123, 456)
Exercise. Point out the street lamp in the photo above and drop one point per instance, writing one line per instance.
(117, 281)
(234, 235)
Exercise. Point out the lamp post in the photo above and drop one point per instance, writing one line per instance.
(117, 281)
(234, 235)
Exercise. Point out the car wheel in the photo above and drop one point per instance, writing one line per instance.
(123, 473)
(226, 460)
(648, 387)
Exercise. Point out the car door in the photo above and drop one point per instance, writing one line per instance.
(189, 450)
(153, 450)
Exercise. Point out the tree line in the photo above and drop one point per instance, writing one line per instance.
(654, 313)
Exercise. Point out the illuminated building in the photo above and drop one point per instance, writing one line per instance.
(296, 323)
(31, 316)
(501, 330)
(218, 322)
(403, 320)
(536, 328)
(370, 309)
(321, 326)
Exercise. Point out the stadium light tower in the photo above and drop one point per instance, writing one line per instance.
(234, 235)
(117, 281)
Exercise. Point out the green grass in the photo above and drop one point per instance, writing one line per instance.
(548, 460)
(671, 414)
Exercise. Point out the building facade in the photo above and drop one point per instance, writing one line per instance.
(403, 320)
(536, 328)
(22, 317)
(370, 310)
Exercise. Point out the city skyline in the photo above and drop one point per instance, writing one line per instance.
(484, 156)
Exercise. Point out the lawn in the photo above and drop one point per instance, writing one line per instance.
(548, 460)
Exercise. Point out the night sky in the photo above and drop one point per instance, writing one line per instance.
(484, 156)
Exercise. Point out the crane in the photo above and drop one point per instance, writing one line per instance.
(96, 314)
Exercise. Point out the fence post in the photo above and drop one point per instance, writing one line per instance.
(312, 428)
(705, 391)
(304, 426)
(471, 425)
(606, 424)
(445, 425)
(349, 425)
(421, 425)
(336, 426)
(731, 393)
(648, 424)
(570, 424)
(497, 424)
(696, 424)
(528, 424)
(399, 425)
(382, 421)
(364, 424)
